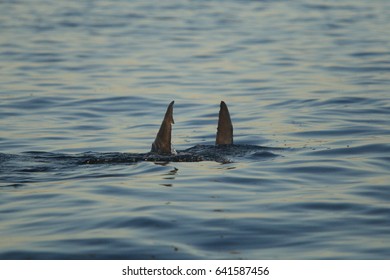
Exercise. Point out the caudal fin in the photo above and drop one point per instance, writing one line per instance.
(225, 127)
(162, 143)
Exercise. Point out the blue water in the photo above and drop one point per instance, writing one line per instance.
(311, 78)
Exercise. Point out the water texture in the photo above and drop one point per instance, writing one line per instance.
(309, 78)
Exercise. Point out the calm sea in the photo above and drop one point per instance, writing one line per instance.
(311, 77)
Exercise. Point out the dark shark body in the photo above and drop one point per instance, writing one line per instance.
(224, 151)
(221, 154)
(162, 150)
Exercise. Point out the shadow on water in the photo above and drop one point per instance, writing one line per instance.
(18, 166)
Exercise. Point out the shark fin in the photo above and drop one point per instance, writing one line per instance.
(162, 143)
(225, 127)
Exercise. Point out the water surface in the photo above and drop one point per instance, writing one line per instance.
(311, 77)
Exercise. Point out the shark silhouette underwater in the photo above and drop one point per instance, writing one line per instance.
(162, 150)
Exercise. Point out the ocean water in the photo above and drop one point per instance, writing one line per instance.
(310, 78)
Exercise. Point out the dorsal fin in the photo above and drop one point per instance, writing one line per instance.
(162, 143)
(225, 127)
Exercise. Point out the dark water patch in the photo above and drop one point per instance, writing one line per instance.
(239, 180)
(133, 15)
(321, 170)
(257, 41)
(342, 131)
(69, 24)
(35, 169)
(292, 103)
(145, 222)
(54, 85)
(326, 7)
(361, 150)
(34, 255)
(84, 114)
(358, 69)
(74, 88)
(34, 103)
(113, 250)
(263, 155)
(347, 100)
(6, 157)
(95, 242)
(96, 176)
(41, 196)
(86, 68)
(261, 89)
(108, 104)
(89, 127)
(49, 157)
(42, 57)
(14, 185)
(381, 193)
(111, 190)
(256, 234)
(329, 206)
(368, 54)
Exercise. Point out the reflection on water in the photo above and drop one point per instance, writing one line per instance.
(96, 76)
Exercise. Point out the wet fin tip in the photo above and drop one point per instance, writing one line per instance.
(169, 113)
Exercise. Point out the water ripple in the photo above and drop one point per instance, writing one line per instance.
(92, 78)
